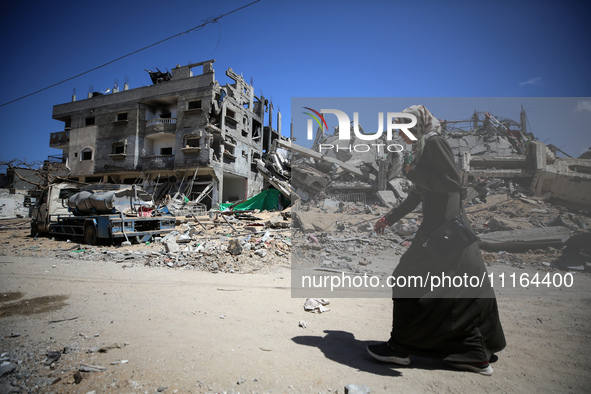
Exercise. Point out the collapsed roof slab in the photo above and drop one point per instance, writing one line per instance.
(524, 239)
(319, 156)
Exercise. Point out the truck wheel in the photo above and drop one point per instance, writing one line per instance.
(90, 235)
(34, 229)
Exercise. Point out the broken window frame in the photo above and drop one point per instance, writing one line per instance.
(230, 149)
(89, 121)
(121, 117)
(193, 147)
(231, 115)
(118, 150)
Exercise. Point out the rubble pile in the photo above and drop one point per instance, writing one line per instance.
(232, 242)
(340, 193)
(478, 144)
(485, 134)
(339, 236)
(343, 193)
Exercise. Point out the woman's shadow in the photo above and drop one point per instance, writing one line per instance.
(342, 347)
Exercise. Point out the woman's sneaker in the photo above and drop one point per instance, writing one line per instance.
(385, 353)
(483, 368)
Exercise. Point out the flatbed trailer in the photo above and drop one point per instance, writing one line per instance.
(65, 209)
(111, 227)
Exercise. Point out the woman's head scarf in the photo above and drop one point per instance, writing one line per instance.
(426, 127)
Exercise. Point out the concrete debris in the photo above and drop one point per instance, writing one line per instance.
(559, 221)
(234, 247)
(219, 249)
(400, 187)
(171, 245)
(275, 168)
(261, 252)
(404, 230)
(387, 197)
(520, 240)
(278, 222)
(7, 368)
(577, 252)
(504, 224)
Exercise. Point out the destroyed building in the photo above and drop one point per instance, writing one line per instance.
(528, 206)
(486, 148)
(183, 134)
(502, 149)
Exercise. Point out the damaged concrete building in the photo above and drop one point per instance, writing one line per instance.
(502, 149)
(183, 134)
(488, 149)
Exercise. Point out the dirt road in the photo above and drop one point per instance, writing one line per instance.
(158, 329)
(155, 328)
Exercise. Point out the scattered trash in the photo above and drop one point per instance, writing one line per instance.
(315, 305)
(356, 389)
(91, 368)
(52, 357)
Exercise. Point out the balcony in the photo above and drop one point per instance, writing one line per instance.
(161, 125)
(55, 163)
(157, 161)
(60, 139)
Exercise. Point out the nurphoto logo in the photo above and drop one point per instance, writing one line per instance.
(394, 121)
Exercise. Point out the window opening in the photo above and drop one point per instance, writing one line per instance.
(86, 154)
(118, 148)
(192, 143)
(194, 104)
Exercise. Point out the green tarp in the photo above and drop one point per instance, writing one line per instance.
(267, 200)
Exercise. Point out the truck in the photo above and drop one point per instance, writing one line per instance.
(98, 213)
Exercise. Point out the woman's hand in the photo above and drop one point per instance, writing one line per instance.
(380, 225)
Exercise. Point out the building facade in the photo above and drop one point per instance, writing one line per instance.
(183, 134)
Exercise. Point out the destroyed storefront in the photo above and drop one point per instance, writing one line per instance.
(183, 138)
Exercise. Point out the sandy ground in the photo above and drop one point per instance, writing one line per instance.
(177, 330)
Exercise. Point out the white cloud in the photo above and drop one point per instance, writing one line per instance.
(533, 81)
(583, 106)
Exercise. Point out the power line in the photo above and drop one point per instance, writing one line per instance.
(205, 23)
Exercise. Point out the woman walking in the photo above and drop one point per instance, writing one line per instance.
(459, 325)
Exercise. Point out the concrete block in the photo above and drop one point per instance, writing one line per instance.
(398, 185)
(387, 197)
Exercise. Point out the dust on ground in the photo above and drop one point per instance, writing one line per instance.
(141, 318)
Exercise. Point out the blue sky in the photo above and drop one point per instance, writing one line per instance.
(562, 121)
(299, 49)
